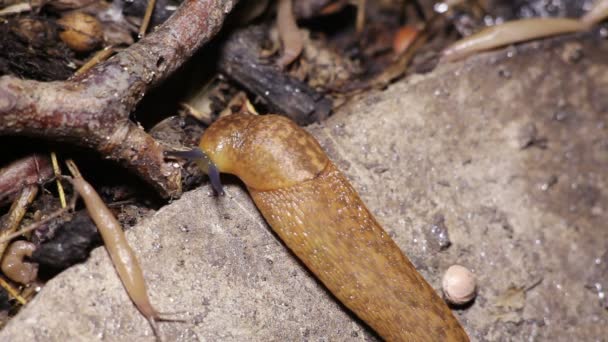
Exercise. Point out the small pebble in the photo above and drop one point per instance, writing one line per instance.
(527, 135)
(459, 285)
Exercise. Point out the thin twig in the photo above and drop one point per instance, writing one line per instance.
(360, 24)
(11, 291)
(38, 224)
(16, 214)
(146, 20)
(16, 9)
(99, 57)
(57, 172)
(92, 109)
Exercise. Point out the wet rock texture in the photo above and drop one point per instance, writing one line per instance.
(511, 153)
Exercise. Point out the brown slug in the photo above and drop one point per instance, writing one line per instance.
(311, 205)
(15, 267)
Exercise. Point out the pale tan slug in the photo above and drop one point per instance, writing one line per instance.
(311, 205)
(15, 268)
(122, 256)
(598, 13)
(510, 32)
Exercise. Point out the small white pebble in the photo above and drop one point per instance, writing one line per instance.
(459, 285)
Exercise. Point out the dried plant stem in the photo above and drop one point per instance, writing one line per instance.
(36, 225)
(360, 24)
(99, 57)
(12, 291)
(57, 172)
(16, 214)
(146, 20)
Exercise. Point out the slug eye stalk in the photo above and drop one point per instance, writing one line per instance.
(204, 163)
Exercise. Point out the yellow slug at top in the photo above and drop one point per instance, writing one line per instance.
(311, 205)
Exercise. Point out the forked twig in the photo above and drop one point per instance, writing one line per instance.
(92, 109)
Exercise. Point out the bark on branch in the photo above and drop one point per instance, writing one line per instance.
(93, 109)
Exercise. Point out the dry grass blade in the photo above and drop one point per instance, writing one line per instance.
(146, 20)
(360, 23)
(16, 9)
(57, 172)
(99, 57)
(38, 224)
(12, 291)
(16, 213)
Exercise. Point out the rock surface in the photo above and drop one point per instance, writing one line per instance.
(508, 154)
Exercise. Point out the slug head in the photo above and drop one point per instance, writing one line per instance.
(266, 152)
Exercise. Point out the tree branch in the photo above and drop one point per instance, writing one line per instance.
(92, 109)
(23, 172)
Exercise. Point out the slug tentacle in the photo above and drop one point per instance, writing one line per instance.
(214, 178)
(204, 163)
(311, 205)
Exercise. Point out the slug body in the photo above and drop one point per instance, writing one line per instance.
(511, 32)
(598, 12)
(311, 205)
(13, 265)
(123, 258)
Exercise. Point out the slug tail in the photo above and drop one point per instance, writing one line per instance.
(325, 223)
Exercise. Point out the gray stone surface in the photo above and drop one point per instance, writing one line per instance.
(512, 153)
